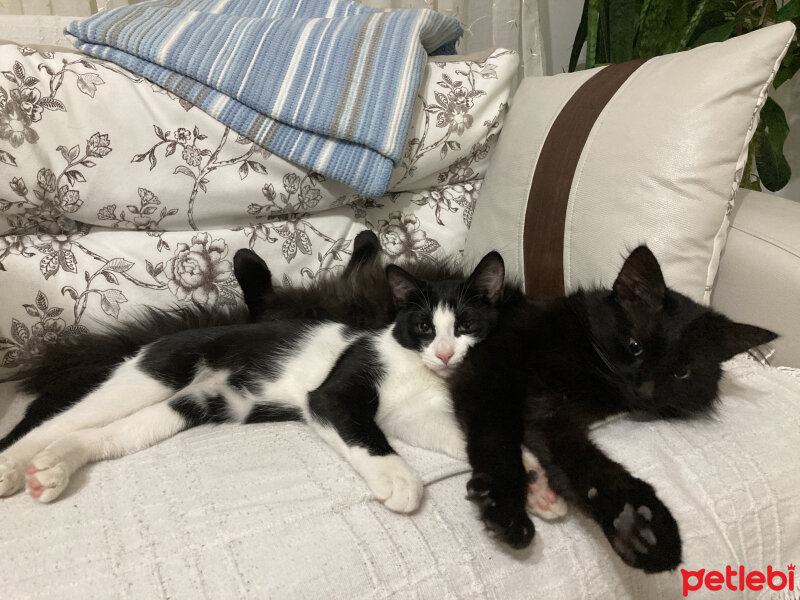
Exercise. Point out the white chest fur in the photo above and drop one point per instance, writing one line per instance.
(415, 403)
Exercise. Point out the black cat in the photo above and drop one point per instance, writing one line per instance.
(554, 367)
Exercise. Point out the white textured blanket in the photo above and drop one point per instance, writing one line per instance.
(269, 511)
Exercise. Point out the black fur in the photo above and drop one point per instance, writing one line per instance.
(65, 372)
(473, 301)
(550, 370)
(265, 413)
(360, 297)
(248, 351)
(348, 399)
(553, 368)
(250, 268)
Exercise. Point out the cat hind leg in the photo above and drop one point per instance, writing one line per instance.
(12, 478)
(542, 501)
(342, 412)
(50, 470)
(127, 390)
(639, 527)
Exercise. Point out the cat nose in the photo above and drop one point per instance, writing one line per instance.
(445, 356)
(647, 389)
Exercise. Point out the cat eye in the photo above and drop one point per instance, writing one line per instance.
(424, 327)
(635, 347)
(682, 373)
(464, 326)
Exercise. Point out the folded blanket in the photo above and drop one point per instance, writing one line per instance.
(327, 84)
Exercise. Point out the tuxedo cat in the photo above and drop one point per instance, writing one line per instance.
(352, 386)
(361, 298)
(552, 368)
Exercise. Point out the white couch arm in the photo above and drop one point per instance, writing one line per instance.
(759, 272)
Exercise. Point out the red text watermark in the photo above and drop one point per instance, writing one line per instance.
(738, 579)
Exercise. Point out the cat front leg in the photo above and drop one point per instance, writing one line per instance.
(435, 430)
(342, 411)
(640, 528)
(499, 484)
(489, 412)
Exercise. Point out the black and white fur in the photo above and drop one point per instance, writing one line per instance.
(353, 387)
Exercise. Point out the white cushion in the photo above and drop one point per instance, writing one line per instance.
(271, 511)
(660, 165)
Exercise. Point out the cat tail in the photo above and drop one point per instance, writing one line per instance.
(63, 373)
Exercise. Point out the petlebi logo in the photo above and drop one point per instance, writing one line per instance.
(738, 579)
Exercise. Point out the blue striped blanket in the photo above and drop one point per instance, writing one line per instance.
(327, 84)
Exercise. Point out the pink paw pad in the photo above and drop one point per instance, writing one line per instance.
(542, 500)
(35, 488)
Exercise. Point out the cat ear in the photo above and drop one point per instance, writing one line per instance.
(487, 278)
(733, 338)
(366, 247)
(254, 278)
(640, 283)
(402, 284)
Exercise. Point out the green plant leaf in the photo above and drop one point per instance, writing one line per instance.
(591, 33)
(720, 33)
(773, 168)
(622, 17)
(651, 39)
(580, 38)
(788, 12)
(789, 66)
(603, 42)
(677, 19)
(700, 11)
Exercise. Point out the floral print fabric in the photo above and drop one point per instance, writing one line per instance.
(115, 194)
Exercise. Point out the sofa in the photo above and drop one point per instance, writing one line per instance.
(268, 511)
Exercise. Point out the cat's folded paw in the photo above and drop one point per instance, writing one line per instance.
(500, 515)
(640, 528)
(47, 477)
(395, 484)
(542, 501)
(12, 477)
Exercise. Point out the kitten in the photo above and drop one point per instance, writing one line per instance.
(64, 373)
(352, 386)
(361, 298)
(552, 368)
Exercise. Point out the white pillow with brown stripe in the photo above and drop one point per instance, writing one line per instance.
(592, 164)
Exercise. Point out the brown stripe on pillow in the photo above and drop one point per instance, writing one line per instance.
(545, 217)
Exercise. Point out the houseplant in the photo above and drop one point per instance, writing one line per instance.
(620, 30)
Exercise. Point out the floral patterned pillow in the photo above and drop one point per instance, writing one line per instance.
(102, 215)
(83, 138)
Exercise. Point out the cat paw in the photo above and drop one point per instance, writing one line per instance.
(47, 477)
(541, 501)
(395, 484)
(501, 517)
(12, 478)
(640, 528)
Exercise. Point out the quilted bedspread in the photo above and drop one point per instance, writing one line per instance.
(269, 511)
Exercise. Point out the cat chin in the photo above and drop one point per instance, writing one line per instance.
(443, 371)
